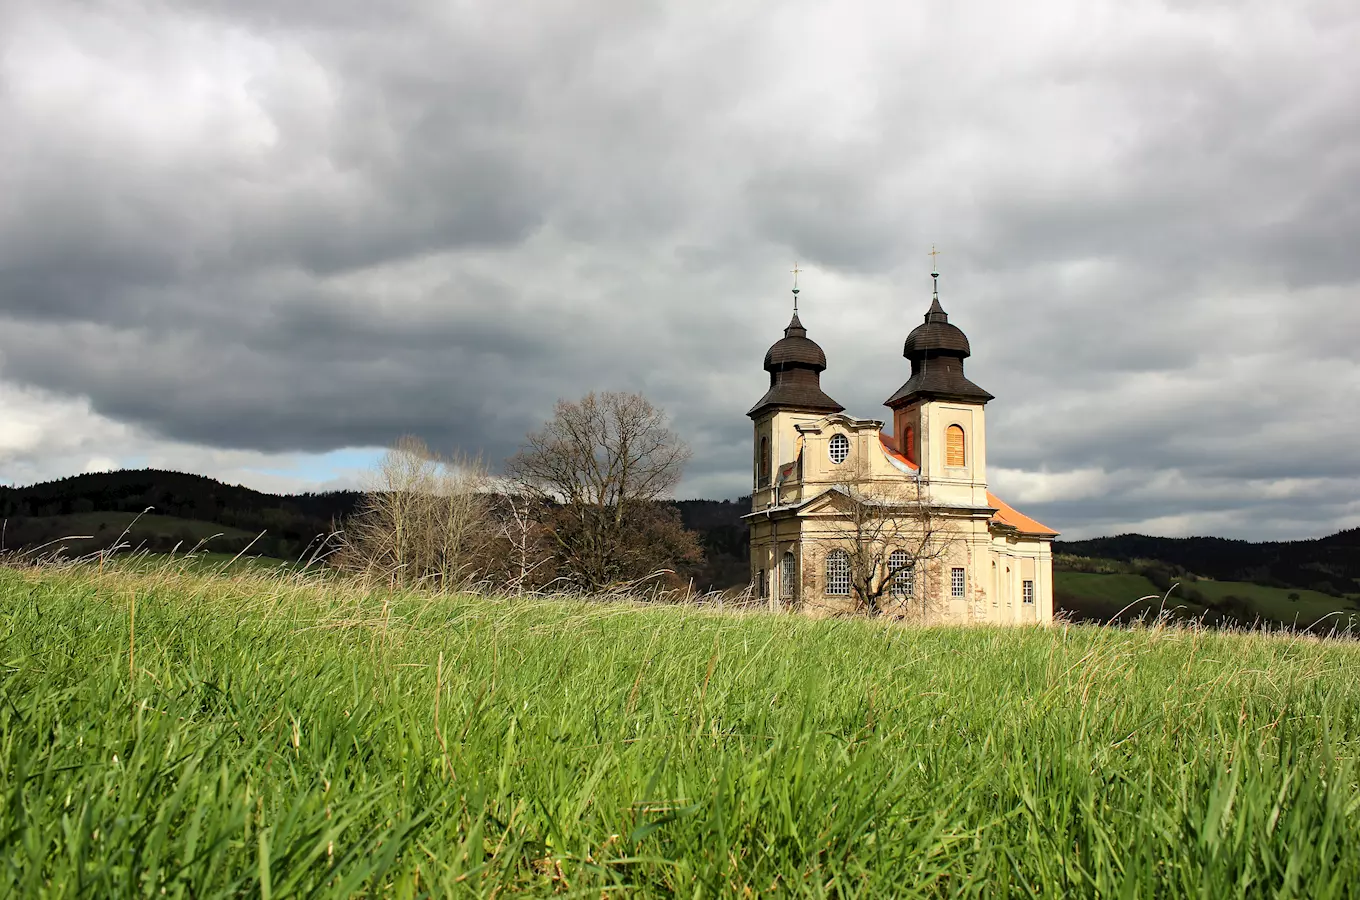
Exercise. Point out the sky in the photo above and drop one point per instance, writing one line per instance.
(261, 239)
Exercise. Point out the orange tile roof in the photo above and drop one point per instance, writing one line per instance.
(890, 448)
(1008, 515)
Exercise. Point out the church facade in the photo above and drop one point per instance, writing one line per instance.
(848, 514)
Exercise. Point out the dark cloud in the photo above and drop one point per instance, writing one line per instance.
(296, 227)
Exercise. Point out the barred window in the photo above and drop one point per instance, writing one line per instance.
(1028, 591)
(838, 573)
(953, 446)
(788, 569)
(956, 582)
(839, 448)
(903, 573)
(760, 583)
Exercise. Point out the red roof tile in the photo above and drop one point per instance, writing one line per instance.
(1008, 515)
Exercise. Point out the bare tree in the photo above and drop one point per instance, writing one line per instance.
(893, 540)
(423, 520)
(600, 472)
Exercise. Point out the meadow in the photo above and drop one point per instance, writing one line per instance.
(183, 733)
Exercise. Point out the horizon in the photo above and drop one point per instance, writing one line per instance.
(734, 500)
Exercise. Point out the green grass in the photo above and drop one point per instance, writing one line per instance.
(1117, 589)
(1274, 603)
(1268, 603)
(173, 734)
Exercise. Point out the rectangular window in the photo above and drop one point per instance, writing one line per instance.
(956, 582)
(1029, 591)
(838, 573)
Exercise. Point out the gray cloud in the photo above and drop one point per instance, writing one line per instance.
(288, 228)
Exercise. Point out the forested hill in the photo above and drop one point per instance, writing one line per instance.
(1328, 564)
(46, 511)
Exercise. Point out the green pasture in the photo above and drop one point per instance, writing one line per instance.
(173, 734)
(97, 530)
(1121, 589)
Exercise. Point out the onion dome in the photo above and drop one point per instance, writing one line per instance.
(937, 350)
(795, 363)
(795, 348)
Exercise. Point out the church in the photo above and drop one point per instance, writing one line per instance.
(849, 517)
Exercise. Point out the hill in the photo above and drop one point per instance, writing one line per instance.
(1329, 565)
(183, 505)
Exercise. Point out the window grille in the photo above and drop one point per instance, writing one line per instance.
(953, 446)
(839, 448)
(1027, 589)
(788, 568)
(903, 573)
(838, 573)
(956, 582)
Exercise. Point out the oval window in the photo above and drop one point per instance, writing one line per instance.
(839, 448)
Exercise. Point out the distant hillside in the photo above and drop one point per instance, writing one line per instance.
(182, 503)
(1329, 565)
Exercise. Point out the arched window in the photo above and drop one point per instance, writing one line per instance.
(902, 571)
(953, 446)
(838, 573)
(763, 473)
(839, 448)
(788, 570)
(909, 445)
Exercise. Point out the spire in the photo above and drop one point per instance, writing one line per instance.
(937, 350)
(795, 364)
(935, 308)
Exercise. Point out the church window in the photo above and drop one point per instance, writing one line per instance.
(956, 582)
(1028, 591)
(903, 573)
(953, 446)
(839, 448)
(838, 573)
(788, 570)
(763, 475)
(909, 445)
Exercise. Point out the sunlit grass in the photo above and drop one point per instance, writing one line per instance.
(259, 734)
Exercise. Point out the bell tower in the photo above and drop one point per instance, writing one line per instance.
(795, 363)
(938, 416)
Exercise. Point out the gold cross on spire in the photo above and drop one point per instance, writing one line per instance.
(796, 270)
(933, 253)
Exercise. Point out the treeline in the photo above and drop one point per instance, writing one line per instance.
(1329, 565)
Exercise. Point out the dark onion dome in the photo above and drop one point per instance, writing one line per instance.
(936, 334)
(937, 350)
(795, 364)
(795, 348)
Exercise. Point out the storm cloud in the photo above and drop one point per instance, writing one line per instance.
(237, 235)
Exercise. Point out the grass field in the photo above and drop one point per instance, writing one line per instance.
(181, 735)
(1120, 589)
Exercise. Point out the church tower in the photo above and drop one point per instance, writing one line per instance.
(938, 421)
(795, 363)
